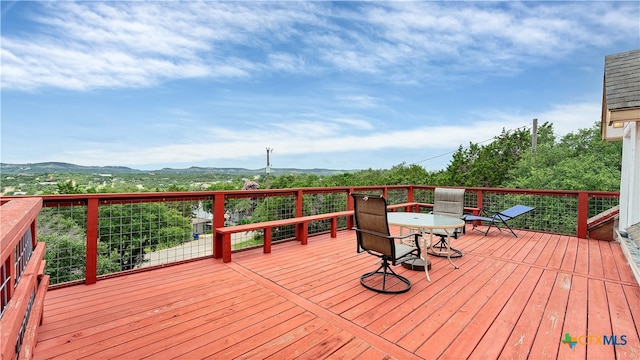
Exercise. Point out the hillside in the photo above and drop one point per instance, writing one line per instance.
(60, 167)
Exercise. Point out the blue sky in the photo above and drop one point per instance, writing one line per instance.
(338, 85)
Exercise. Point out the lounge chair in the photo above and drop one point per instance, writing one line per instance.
(499, 219)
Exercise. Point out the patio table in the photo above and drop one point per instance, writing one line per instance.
(427, 223)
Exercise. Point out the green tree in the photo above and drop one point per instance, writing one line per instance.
(579, 161)
(289, 181)
(402, 174)
(66, 249)
(131, 230)
(490, 165)
(460, 169)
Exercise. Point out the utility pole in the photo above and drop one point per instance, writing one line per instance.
(534, 135)
(268, 168)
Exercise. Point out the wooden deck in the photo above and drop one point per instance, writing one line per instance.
(511, 298)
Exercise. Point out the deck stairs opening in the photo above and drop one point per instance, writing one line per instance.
(602, 225)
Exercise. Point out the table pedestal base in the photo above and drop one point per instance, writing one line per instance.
(455, 253)
(416, 264)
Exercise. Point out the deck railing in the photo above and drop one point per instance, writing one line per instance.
(91, 236)
(22, 281)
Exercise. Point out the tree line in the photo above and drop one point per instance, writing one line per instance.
(576, 161)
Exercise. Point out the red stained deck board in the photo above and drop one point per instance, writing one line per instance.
(582, 258)
(146, 322)
(622, 265)
(210, 330)
(208, 339)
(595, 260)
(469, 316)
(403, 314)
(570, 255)
(632, 294)
(519, 343)
(529, 243)
(547, 340)
(440, 313)
(299, 328)
(551, 247)
(510, 248)
(622, 323)
(575, 318)
(307, 300)
(473, 332)
(438, 298)
(608, 261)
(541, 242)
(181, 328)
(556, 258)
(498, 333)
(125, 308)
(354, 349)
(598, 319)
(300, 347)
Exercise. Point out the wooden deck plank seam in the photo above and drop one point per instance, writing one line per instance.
(374, 339)
(589, 276)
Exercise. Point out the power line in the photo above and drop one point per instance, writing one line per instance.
(466, 147)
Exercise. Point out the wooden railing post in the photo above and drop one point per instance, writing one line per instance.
(350, 206)
(91, 261)
(218, 222)
(410, 194)
(299, 203)
(480, 200)
(583, 214)
(301, 229)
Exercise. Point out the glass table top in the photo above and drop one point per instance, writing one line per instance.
(423, 221)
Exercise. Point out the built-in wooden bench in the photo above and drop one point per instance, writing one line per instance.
(222, 237)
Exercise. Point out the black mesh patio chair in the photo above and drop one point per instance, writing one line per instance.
(374, 238)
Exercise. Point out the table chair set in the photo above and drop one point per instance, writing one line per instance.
(447, 221)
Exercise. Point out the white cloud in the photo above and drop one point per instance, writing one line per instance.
(343, 79)
(137, 44)
(309, 137)
(568, 118)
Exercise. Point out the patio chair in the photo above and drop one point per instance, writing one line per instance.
(448, 202)
(372, 233)
(499, 219)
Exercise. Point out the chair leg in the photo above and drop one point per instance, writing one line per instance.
(510, 229)
(489, 228)
(378, 280)
(441, 247)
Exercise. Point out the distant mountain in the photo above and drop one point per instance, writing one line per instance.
(59, 167)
